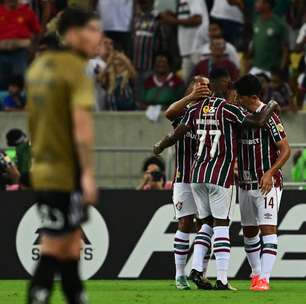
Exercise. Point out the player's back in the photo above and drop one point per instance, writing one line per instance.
(52, 87)
(185, 150)
(216, 121)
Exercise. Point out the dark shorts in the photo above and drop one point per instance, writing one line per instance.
(60, 212)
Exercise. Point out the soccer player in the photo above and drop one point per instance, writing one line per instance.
(217, 123)
(184, 204)
(60, 99)
(261, 155)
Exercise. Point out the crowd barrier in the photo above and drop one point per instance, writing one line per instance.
(130, 235)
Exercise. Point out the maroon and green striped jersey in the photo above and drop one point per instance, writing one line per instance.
(185, 150)
(216, 123)
(257, 152)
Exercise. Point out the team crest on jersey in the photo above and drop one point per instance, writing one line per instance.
(280, 127)
(179, 206)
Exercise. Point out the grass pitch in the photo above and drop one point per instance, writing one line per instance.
(164, 292)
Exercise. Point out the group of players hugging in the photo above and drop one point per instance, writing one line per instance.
(220, 129)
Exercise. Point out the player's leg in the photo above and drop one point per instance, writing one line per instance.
(185, 211)
(252, 243)
(202, 242)
(199, 223)
(222, 201)
(60, 248)
(267, 217)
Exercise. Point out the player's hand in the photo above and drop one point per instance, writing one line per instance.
(157, 149)
(200, 91)
(266, 183)
(89, 187)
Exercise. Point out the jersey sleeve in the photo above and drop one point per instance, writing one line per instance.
(196, 7)
(82, 88)
(276, 128)
(233, 114)
(188, 119)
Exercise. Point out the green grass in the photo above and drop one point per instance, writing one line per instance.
(160, 292)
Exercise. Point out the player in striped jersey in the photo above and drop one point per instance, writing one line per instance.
(184, 204)
(216, 122)
(261, 155)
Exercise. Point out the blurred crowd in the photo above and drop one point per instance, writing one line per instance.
(152, 49)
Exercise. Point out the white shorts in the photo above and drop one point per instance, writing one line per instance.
(183, 200)
(257, 209)
(214, 200)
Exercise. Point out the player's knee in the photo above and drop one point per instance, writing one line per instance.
(268, 229)
(250, 231)
(221, 222)
(186, 224)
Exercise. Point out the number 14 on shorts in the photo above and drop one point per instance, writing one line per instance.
(269, 202)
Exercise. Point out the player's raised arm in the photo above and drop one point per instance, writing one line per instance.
(197, 89)
(278, 134)
(259, 120)
(170, 139)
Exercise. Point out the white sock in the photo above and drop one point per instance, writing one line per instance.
(202, 244)
(269, 252)
(206, 261)
(222, 249)
(181, 251)
(252, 247)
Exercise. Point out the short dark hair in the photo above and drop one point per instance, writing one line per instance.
(215, 21)
(14, 136)
(271, 3)
(163, 54)
(74, 17)
(248, 85)
(17, 80)
(51, 41)
(153, 160)
(217, 73)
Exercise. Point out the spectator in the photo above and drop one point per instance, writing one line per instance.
(117, 17)
(118, 80)
(215, 31)
(18, 139)
(42, 8)
(192, 21)
(16, 100)
(97, 67)
(216, 60)
(281, 92)
(301, 95)
(146, 42)
(9, 173)
(270, 41)
(162, 87)
(146, 37)
(229, 14)
(154, 175)
(18, 25)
